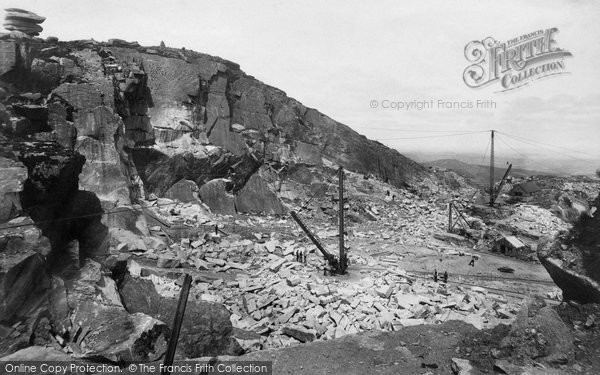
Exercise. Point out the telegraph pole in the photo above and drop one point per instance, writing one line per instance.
(450, 217)
(492, 173)
(343, 261)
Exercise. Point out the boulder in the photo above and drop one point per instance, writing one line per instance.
(183, 191)
(25, 27)
(573, 261)
(206, 328)
(215, 196)
(23, 287)
(298, 333)
(539, 332)
(256, 197)
(574, 286)
(115, 334)
(103, 327)
(21, 14)
(462, 367)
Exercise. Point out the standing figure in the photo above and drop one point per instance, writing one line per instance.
(445, 276)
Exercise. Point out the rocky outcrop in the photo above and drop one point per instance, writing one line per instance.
(13, 175)
(40, 234)
(194, 99)
(575, 286)
(171, 115)
(573, 259)
(108, 329)
(206, 328)
(23, 21)
(103, 172)
(539, 332)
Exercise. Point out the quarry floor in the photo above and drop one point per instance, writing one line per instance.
(414, 350)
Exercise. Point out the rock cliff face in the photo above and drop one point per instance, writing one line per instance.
(146, 118)
(92, 133)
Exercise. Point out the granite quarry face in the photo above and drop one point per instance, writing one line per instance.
(125, 167)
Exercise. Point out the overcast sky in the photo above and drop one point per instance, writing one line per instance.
(339, 56)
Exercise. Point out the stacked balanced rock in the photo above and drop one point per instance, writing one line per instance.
(23, 21)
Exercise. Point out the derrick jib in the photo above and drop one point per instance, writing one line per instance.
(333, 262)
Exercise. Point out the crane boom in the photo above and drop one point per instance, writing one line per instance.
(502, 183)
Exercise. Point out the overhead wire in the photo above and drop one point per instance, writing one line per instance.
(515, 138)
(541, 143)
(431, 136)
(523, 155)
(424, 131)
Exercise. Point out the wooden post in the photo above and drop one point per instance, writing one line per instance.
(183, 297)
(450, 217)
(343, 263)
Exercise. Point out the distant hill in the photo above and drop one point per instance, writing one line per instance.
(480, 173)
(535, 163)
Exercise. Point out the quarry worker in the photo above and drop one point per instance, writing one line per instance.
(435, 275)
(445, 276)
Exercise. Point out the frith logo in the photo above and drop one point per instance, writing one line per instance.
(515, 63)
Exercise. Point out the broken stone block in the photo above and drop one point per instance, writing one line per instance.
(412, 322)
(165, 261)
(406, 301)
(339, 332)
(327, 300)
(249, 303)
(298, 333)
(116, 335)
(287, 315)
(276, 265)
(476, 320)
(379, 307)
(322, 290)
(248, 340)
(461, 366)
(385, 291)
(504, 314)
(216, 261)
